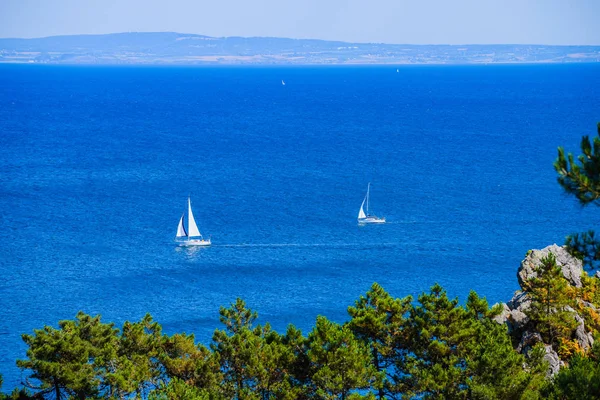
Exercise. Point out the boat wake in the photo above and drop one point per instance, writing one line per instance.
(308, 245)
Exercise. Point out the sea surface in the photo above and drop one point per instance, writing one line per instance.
(97, 163)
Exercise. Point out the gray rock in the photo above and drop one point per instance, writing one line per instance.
(571, 267)
(582, 337)
(597, 274)
(554, 362)
(567, 308)
(520, 301)
(528, 340)
(503, 316)
(517, 320)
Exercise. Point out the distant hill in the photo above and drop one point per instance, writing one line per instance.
(178, 48)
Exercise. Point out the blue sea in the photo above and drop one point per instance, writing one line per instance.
(97, 163)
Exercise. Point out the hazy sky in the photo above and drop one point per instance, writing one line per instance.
(388, 21)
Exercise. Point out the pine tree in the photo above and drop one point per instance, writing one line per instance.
(300, 367)
(377, 320)
(433, 349)
(134, 368)
(63, 360)
(339, 362)
(437, 328)
(581, 178)
(580, 379)
(192, 364)
(494, 369)
(232, 347)
(461, 353)
(550, 295)
(255, 361)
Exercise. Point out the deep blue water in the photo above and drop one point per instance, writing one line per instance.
(96, 164)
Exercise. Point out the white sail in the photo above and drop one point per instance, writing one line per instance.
(366, 218)
(181, 229)
(361, 213)
(192, 227)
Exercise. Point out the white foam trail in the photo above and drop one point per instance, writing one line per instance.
(305, 245)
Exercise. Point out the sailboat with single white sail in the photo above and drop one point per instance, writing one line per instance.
(366, 218)
(191, 236)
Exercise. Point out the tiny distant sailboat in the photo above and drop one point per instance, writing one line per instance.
(282, 82)
(397, 70)
(191, 237)
(366, 218)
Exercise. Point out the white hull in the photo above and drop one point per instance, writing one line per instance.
(371, 220)
(194, 242)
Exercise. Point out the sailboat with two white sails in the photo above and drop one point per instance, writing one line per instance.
(366, 218)
(191, 236)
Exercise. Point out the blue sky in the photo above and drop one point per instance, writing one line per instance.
(387, 21)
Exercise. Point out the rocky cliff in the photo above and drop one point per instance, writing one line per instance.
(581, 310)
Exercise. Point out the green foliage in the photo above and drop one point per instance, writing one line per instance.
(390, 348)
(537, 367)
(495, 370)
(237, 317)
(177, 389)
(581, 178)
(255, 361)
(550, 295)
(19, 394)
(589, 293)
(132, 368)
(438, 329)
(61, 360)
(190, 363)
(339, 362)
(86, 358)
(586, 247)
(299, 368)
(459, 352)
(377, 320)
(581, 380)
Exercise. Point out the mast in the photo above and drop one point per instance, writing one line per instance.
(368, 188)
(189, 221)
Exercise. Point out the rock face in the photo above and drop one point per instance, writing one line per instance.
(519, 301)
(515, 316)
(584, 338)
(570, 266)
(554, 362)
(502, 318)
(528, 340)
(517, 321)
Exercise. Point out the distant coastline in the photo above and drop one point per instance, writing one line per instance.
(169, 48)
